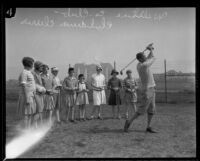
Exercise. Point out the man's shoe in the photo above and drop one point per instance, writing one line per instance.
(100, 118)
(150, 130)
(126, 126)
(73, 121)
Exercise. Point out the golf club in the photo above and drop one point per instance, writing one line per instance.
(147, 48)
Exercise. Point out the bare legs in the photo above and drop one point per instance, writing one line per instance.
(127, 109)
(27, 121)
(94, 110)
(58, 115)
(70, 111)
(118, 111)
(82, 112)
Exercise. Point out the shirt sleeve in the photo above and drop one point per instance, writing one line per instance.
(149, 62)
(43, 81)
(92, 80)
(64, 84)
(23, 78)
(104, 81)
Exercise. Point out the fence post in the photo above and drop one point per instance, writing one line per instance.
(165, 66)
(114, 65)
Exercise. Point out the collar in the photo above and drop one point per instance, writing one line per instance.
(71, 78)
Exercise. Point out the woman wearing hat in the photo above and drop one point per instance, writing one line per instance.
(40, 90)
(99, 97)
(114, 84)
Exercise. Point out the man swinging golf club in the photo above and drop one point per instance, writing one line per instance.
(147, 89)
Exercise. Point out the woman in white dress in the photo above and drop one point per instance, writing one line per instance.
(99, 96)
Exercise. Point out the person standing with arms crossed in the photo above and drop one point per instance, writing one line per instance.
(147, 90)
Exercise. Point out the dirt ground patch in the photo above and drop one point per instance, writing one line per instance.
(176, 124)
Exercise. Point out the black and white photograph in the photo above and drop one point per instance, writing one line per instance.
(100, 82)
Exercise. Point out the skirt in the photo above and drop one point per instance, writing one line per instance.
(99, 97)
(57, 100)
(24, 109)
(114, 98)
(70, 99)
(48, 102)
(82, 99)
(130, 97)
(39, 99)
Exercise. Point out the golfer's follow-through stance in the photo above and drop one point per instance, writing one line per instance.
(147, 89)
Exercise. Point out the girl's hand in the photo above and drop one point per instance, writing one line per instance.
(129, 90)
(86, 90)
(27, 102)
(116, 89)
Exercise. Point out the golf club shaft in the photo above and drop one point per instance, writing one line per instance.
(134, 59)
(128, 64)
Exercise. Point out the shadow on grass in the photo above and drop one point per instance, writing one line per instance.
(108, 130)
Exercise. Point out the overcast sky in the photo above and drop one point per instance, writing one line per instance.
(121, 38)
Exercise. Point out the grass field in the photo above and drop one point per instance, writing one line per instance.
(175, 121)
(176, 124)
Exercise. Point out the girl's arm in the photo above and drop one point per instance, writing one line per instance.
(120, 84)
(22, 82)
(76, 85)
(109, 84)
(65, 87)
(136, 85)
(125, 85)
(87, 87)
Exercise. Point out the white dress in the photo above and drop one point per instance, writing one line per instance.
(82, 98)
(99, 97)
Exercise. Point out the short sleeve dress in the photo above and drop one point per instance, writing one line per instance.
(39, 88)
(82, 97)
(48, 98)
(70, 96)
(99, 97)
(26, 80)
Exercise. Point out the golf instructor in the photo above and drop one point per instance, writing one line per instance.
(147, 89)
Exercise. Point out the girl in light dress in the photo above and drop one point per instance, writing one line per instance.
(26, 103)
(47, 82)
(82, 97)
